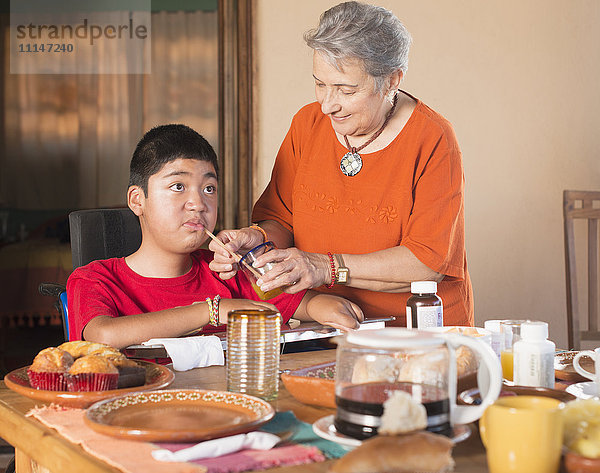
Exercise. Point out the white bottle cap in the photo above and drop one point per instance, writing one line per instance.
(423, 287)
(492, 325)
(534, 331)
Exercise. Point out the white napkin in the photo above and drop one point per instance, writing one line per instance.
(192, 352)
(218, 447)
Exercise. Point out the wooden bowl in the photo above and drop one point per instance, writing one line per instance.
(313, 385)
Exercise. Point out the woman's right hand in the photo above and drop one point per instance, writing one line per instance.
(237, 241)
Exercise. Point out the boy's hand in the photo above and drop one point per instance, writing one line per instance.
(335, 311)
(226, 305)
(238, 241)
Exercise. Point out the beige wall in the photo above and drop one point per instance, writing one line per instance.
(519, 80)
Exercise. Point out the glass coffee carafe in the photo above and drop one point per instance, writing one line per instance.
(373, 364)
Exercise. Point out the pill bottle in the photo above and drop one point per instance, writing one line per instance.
(424, 308)
(534, 356)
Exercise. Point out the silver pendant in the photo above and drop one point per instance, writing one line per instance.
(351, 164)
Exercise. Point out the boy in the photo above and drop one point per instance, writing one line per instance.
(163, 287)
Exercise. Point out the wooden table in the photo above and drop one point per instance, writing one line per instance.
(39, 444)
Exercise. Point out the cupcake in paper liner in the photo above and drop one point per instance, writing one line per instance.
(92, 373)
(49, 369)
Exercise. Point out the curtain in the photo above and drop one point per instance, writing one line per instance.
(68, 139)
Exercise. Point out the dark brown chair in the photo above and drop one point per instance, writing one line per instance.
(581, 205)
(96, 234)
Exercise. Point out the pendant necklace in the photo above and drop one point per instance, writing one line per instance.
(351, 162)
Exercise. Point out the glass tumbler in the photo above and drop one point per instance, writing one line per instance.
(253, 352)
(511, 330)
(253, 273)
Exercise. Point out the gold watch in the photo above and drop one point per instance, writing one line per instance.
(342, 274)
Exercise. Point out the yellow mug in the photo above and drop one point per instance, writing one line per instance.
(523, 434)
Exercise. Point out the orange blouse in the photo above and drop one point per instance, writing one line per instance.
(409, 193)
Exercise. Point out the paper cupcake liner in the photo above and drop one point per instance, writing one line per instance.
(92, 382)
(47, 381)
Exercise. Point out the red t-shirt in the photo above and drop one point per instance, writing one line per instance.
(109, 287)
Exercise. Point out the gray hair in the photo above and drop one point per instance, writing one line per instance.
(369, 33)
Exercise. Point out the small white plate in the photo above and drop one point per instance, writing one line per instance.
(586, 390)
(325, 428)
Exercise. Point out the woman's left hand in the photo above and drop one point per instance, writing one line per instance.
(335, 311)
(294, 270)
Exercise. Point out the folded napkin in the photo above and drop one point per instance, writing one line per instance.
(192, 352)
(218, 447)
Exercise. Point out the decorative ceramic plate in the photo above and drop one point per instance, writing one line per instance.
(325, 428)
(472, 396)
(157, 377)
(563, 366)
(178, 415)
(312, 385)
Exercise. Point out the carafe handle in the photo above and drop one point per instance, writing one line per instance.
(467, 414)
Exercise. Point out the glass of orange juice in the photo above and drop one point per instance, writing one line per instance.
(511, 330)
(254, 273)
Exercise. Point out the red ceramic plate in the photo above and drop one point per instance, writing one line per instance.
(157, 377)
(563, 366)
(178, 415)
(313, 385)
(575, 463)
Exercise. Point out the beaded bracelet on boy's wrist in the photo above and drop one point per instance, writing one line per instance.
(213, 310)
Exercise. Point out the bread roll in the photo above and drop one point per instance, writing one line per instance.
(421, 452)
(432, 368)
(368, 369)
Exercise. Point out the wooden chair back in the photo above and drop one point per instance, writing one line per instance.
(581, 205)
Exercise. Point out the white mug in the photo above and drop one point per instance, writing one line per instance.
(595, 377)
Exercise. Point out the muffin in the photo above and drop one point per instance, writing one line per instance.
(49, 368)
(81, 348)
(92, 373)
(130, 373)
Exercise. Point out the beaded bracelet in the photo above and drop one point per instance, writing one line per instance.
(255, 226)
(213, 310)
(329, 286)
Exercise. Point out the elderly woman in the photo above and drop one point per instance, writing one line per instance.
(367, 191)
